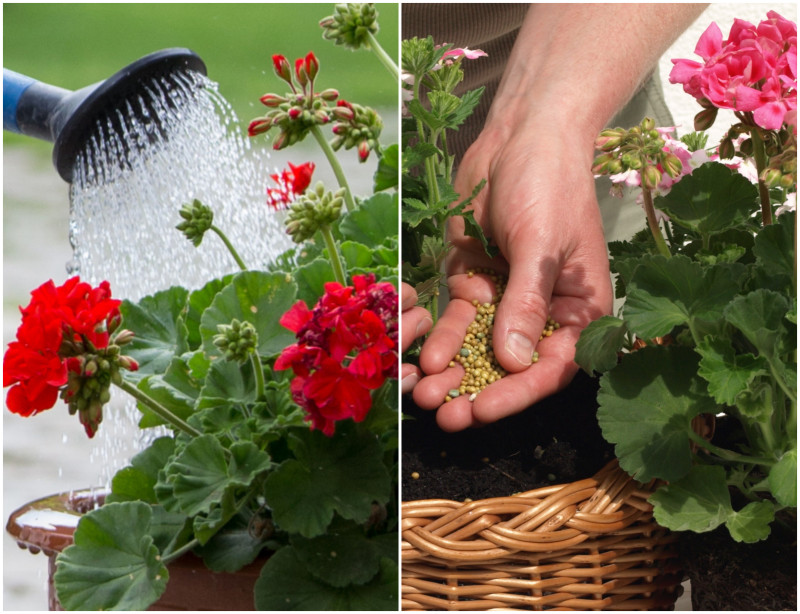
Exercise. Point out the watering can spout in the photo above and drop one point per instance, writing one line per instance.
(68, 118)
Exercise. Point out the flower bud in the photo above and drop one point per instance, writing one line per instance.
(124, 337)
(705, 119)
(259, 126)
(787, 181)
(746, 147)
(600, 165)
(237, 340)
(282, 67)
(726, 150)
(609, 139)
(672, 165)
(197, 219)
(311, 65)
(329, 94)
(771, 177)
(651, 177)
(648, 124)
(272, 100)
(126, 362)
(300, 71)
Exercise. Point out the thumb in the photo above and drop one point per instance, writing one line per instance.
(524, 308)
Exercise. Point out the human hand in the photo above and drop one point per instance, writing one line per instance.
(416, 322)
(539, 208)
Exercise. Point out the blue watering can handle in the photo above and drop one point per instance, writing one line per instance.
(14, 85)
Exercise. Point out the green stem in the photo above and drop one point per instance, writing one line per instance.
(727, 455)
(158, 409)
(336, 262)
(652, 222)
(337, 168)
(166, 559)
(230, 247)
(259, 371)
(383, 56)
(760, 157)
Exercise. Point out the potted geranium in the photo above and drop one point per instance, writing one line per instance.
(699, 368)
(276, 386)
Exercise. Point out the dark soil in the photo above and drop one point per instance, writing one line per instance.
(556, 441)
(730, 576)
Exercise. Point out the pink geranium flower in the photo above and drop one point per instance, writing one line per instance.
(754, 70)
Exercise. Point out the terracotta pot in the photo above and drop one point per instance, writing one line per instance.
(47, 526)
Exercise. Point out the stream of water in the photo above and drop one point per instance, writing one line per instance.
(127, 191)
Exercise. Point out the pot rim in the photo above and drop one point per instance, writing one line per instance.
(48, 524)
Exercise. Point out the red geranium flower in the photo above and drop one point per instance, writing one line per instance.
(291, 183)
(346, 346)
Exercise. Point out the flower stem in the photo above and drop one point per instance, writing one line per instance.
(383, 56)
(336, 262)
(167, 558)
(728, 455)
(652, 222)
(760, 157)
(158, 409)
(230, 247)
(337, 168)
(259, 372)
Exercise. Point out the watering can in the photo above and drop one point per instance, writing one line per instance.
(68, 118)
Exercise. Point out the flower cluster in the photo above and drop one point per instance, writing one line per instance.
(356, 126)
(346, 346)
(64, 345)
(753, 71)
(351, 25)
(291, 183)
(303, 110)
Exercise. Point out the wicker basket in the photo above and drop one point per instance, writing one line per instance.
(586, 545)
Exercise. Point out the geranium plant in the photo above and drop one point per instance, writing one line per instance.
(276, 388)
(699, 369)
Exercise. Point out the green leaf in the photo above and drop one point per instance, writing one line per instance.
(774, 247)
(342, 474)
(416, 155)
(751, 523)
(415, 212)
(372, 221)
(647, 403)
(176, 389)
(199, 300)
(430, 120)
(113, 564)
(387, 176)
(711, 200)
(311, 278)
(783, 479)
(759, 315)
(344, 555)
(228, 383)
(698, 502)
(728, 374)
(599, 344)
(233, 547)
(468, 102)
(200, 475)
(665, 293)
(256, 297)
(285, 584)
(356, 255)
(136, 482)
(160, 332)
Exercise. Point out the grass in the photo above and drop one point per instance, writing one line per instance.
(73, 45)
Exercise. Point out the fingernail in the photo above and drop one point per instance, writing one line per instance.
(408, 383)
(520, 347)
(423, 326)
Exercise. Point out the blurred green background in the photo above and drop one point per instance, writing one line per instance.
(74, 45)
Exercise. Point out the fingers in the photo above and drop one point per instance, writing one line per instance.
(416, 322)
